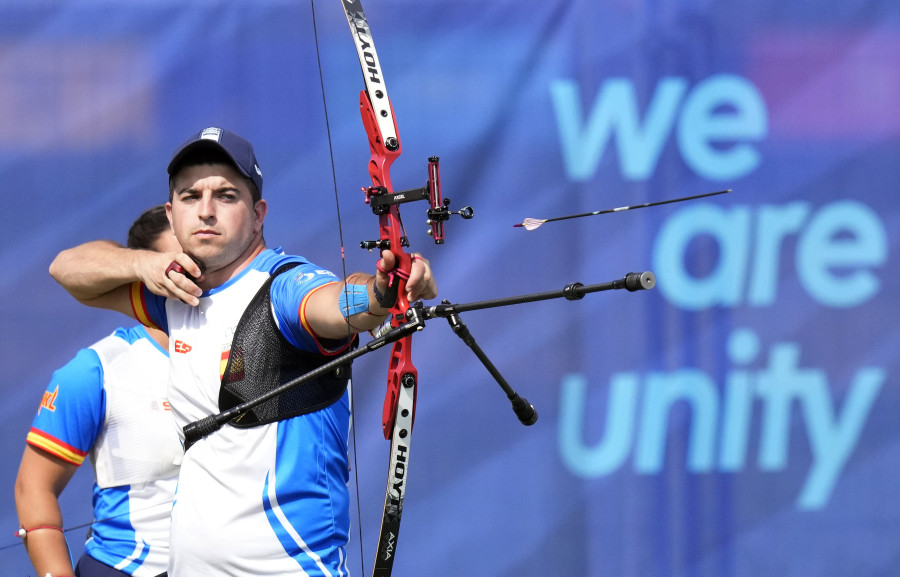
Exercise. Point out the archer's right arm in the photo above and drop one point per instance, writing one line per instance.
(101, 273)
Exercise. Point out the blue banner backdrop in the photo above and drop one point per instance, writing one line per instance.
(738, 420)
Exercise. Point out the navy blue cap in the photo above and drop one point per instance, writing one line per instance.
(238, 150)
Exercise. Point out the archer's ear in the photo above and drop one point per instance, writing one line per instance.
(259, 214)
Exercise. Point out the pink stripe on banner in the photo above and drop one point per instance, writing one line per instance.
(828, 84)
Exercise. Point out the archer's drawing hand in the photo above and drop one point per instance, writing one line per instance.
(175, 275)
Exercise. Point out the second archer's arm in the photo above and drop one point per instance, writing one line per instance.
(41, 479)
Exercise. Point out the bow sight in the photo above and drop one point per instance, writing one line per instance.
(381, 201)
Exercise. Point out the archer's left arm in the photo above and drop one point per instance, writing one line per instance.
(324, 311)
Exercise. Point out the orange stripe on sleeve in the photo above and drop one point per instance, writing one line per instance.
(302, 314)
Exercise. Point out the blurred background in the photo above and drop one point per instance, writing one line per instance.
(734, 421)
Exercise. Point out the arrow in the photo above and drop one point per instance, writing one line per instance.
(533, 223)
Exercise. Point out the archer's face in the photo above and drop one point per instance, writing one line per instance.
(214, 217)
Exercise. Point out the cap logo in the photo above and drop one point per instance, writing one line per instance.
(211, 133)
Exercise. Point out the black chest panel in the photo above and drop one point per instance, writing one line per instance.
(261, 359)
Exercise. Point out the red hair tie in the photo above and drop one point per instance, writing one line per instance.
(23, 532)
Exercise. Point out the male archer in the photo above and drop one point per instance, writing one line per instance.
(269, 495)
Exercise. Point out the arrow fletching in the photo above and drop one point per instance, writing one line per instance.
(531, 223)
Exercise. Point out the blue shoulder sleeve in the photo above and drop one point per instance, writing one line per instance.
(72, 409)
(289, 291)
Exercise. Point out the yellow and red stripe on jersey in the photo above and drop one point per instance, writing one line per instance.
(139, 305)
(57, 448)
(223, 363)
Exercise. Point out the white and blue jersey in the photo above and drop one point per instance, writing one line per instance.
(270, 500)
(109, 403)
